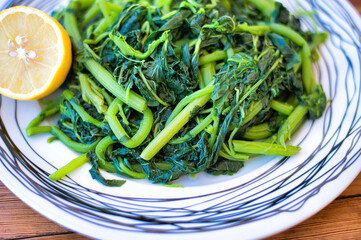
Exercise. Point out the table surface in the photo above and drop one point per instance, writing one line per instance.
(339, 220)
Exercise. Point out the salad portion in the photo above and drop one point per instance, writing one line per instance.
(162, 89)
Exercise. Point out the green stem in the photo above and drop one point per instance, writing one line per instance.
(101, 148)
(213, 57)
(77, 147)
(265, 148)
(281, 107)
(255, 108)
(264, 6)
(105, 11)
(142, 133)
(124, 169)
(31, 131)
(195, 131)
(258, 132)
(127, 50)
(173, 128)
(84, 115)
(207, 72)
(294, 120)
(106, 79)
(91, 95)
(90, 14)
(71, 26)
(48, 111)
(307, 78)
(188, 99)
(71, 166)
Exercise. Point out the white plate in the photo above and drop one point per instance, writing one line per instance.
(267, 196)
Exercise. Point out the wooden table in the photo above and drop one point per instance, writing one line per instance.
(339, 220)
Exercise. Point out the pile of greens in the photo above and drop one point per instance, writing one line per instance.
(163, 89)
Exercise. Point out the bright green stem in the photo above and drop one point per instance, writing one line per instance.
(294, 120)
(195, 131)
(71, 26)
(188, 99)
(291, 34)
(281, 107)
(48, 111)
(264, 6)
(240, 157)
(77, 147)
(127, 50)
(127, 171)
(91, 95)
(100, 151)
(68, 168)
(106, 79)
(173, 128)
(102, 146)
(105, 11)
(288, 32)
(83, 4)
(30, 131)
(255, 108)
(213, 57)
(264, 148)
(90, 14)
(307, 78)
(225, 153)
(256, 30)
(258, 132)
(120, 133)
(207, 72)
(80, 110)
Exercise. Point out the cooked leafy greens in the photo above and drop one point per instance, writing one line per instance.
(163, 89)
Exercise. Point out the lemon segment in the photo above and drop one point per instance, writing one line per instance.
(35, 53)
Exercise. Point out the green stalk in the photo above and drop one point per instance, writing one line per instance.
(80, 110)
(77, 147)
(31, 131)
(264, 6)
(71, 166)
(91, 95)
(265, 148)
(207, 72)
(236, 157)
(106, 79)
(142, 133)
(48, 111)
(71, 26)
(288, 32)
(212, 57)
(188, 99)
(90, 14)
(195, 131)
(105, 11)
(173, 128)
(307, 78)
(258, 132)
(289, 126)
(281, 107)
(255, 108)
(102, 146)
(127, 50)
(124, 169)
(294, 36)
